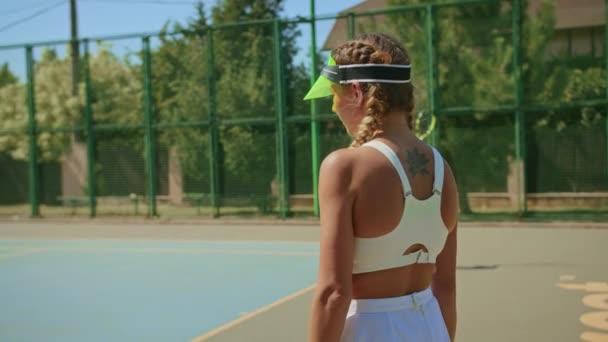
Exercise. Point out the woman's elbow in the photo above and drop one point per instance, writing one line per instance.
(445, 288)
(333, 296)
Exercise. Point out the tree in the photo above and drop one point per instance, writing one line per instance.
(179, 85)
(6, 76)
(55, 107)
(244, 69)
(114, 89)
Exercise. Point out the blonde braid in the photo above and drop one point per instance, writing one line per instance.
(371, 124)
(377, 105)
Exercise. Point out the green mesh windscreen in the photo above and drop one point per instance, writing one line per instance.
(332, 136)
(300, 153)
(61, 177)
(248, 169)
(300, 167)
(51, 189)
(479, 149)
(14, 181)
(120, 172)
(567, 160)
(183, 176)
(565, 140)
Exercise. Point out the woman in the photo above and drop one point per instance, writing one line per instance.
(389, 208)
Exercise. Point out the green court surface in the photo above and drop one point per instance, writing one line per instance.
(237, 282)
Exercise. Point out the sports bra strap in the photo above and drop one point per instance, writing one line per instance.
(438, 184)
(392, 157)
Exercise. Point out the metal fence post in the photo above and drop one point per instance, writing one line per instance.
(213, 127)
(606, 72)
(281, 129)
(520, 151)
(431, 62)
(34, 176)
(351, 25)
(149, 129)
(88, 112)
(314, 123)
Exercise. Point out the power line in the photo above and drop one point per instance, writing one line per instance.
(34, 15)
(4, 12)
(150, 2)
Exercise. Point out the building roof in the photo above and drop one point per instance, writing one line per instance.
(574, 13)
(339, 31)
(568, 14)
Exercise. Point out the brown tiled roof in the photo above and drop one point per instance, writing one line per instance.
(568, 14)
(338, 31)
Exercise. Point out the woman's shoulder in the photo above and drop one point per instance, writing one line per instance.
(357, 162)
(347, 157)
(339, 160)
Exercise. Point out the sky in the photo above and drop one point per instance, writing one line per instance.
(98, 18)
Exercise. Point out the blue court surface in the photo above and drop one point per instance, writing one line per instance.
(141, 290)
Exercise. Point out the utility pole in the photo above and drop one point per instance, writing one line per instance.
(75, 51)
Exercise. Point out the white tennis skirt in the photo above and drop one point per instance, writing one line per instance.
(412, 318)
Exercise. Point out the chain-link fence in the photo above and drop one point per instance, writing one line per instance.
(210, 121)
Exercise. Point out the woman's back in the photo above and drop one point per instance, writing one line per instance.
(380, 204)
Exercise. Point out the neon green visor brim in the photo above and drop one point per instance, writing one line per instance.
(322, 87)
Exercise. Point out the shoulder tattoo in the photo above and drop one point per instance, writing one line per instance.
(417, 162)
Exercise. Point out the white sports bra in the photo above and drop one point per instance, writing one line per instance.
(420, 223)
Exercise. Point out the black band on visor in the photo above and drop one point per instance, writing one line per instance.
(380, 73)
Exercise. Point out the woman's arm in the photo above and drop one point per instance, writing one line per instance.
(444, 280)
(444, 283)
(334, 282)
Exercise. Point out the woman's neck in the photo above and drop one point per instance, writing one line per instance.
(395, 124)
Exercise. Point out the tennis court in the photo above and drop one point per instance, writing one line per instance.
(237, 282)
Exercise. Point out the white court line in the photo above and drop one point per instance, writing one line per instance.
(187, 240)
(179, 251)
(250, 315)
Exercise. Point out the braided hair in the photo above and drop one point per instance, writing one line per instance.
(377, 48)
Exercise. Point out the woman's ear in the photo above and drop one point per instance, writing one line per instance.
(357, 93)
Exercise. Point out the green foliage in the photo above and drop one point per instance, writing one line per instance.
(114, 88)
(244, 59)
(536, 34)
(6, 76)
(475, 64)
(55, 107)
(13, 115)
(250, 156)
(245, 88)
